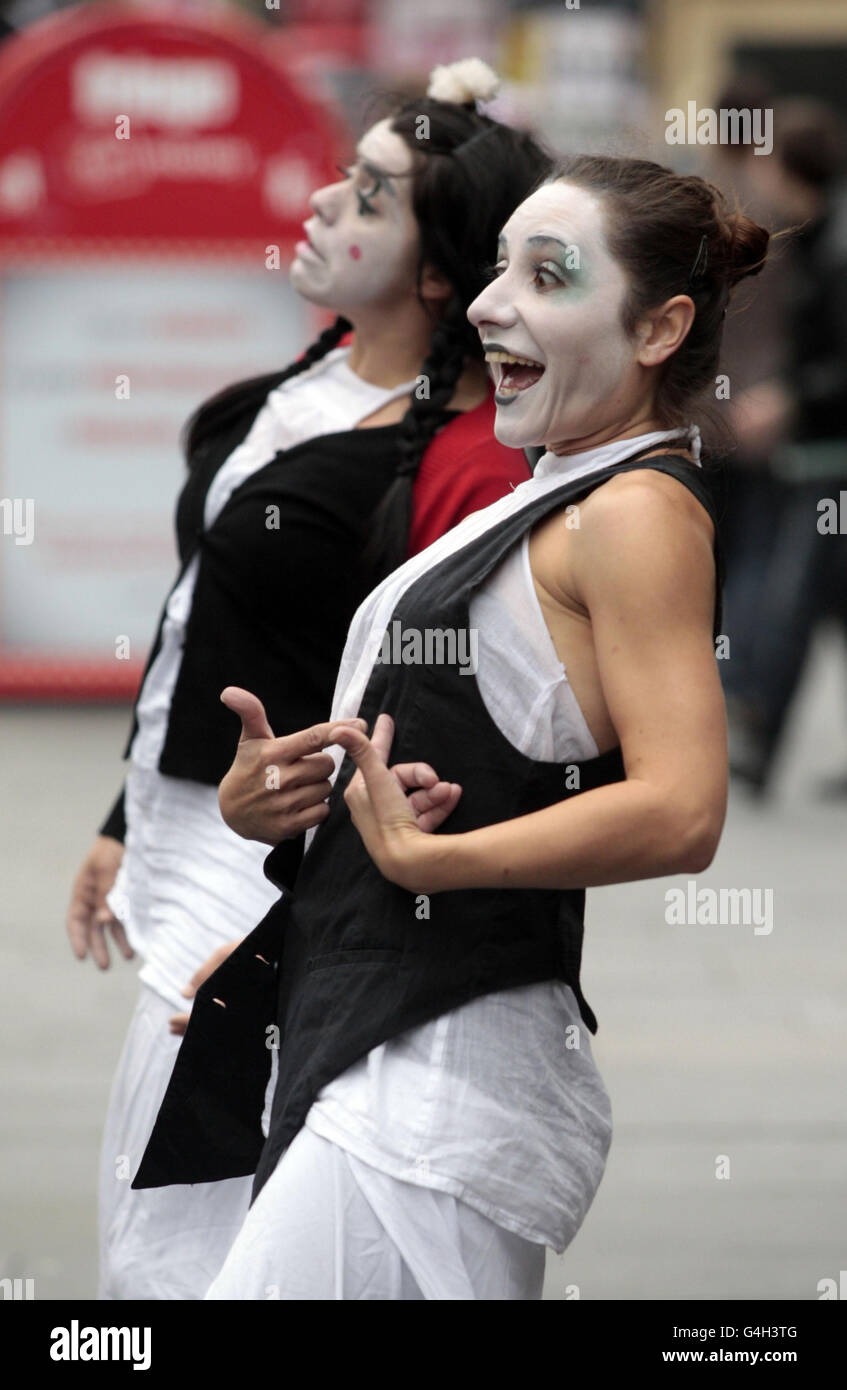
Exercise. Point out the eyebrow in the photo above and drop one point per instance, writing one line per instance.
(383, 174)
(541, 240)
(548, 241)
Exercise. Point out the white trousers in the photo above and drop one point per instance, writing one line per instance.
(160, 1242)
(327, 1226)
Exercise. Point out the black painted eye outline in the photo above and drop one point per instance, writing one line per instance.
(365, 206)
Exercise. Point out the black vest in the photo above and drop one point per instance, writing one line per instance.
(348, 955)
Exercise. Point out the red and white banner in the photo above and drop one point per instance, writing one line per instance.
(148, 161)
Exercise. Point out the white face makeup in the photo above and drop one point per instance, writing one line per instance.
(362, 243)
(555, 304)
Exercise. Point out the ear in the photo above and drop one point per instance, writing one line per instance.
(662, 330)
(434, 285)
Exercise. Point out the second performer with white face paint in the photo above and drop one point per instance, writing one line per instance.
(354, 260)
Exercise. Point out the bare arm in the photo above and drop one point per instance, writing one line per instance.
(643, 569)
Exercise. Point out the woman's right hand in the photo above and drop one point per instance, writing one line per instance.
(88, 915)
(179, 1022)
(278, 787)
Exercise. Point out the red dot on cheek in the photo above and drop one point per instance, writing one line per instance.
(355, 253)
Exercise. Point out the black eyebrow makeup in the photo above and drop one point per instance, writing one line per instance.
(383, 175)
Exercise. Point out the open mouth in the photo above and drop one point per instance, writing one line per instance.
(512, 374)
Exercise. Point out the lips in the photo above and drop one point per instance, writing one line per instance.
(307, 244)
(512, 372)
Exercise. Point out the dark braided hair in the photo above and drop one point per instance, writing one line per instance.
(216, 415)
(386, 545)
(469, 174)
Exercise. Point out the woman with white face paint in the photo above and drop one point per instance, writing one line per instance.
(387, 440)
(437, 1117)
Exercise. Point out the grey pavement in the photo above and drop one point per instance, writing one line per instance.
(722, 1049)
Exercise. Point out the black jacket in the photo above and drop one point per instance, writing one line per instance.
(279, 580)
(344, 962)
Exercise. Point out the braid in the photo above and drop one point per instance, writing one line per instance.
(329, 339)
(388, 541)
(441, 370)
(216, 415)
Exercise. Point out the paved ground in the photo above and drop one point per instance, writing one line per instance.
(714, 1041)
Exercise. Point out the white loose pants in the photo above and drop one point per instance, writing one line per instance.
(327, 1226)
(160, 1242)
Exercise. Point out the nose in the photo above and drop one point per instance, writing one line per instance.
(324, 201)
(493, 306)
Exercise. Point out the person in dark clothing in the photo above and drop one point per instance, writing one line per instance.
(798, 419)
(753, 359)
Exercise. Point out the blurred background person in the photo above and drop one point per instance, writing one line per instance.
(752, 358)
(789, 355)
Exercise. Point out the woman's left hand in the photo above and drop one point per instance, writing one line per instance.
(392, 824)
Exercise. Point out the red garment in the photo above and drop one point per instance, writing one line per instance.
(463, 469)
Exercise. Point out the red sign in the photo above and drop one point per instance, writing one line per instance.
(119, 123)
(148, 157)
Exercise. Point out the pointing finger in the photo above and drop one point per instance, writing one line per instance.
(293, 747)
(383, 736)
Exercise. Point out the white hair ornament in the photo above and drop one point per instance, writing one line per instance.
(468, 80)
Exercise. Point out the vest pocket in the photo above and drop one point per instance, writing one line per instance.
(354, 955)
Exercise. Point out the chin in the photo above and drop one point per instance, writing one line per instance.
(513, 433)
(301, 282)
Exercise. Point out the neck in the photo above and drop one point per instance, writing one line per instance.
(389, 348)
(644, 422)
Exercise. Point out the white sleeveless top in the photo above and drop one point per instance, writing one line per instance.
(498, 1102)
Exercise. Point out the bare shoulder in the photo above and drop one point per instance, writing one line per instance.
(644, 544)
(643, 503)
(643, 535)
